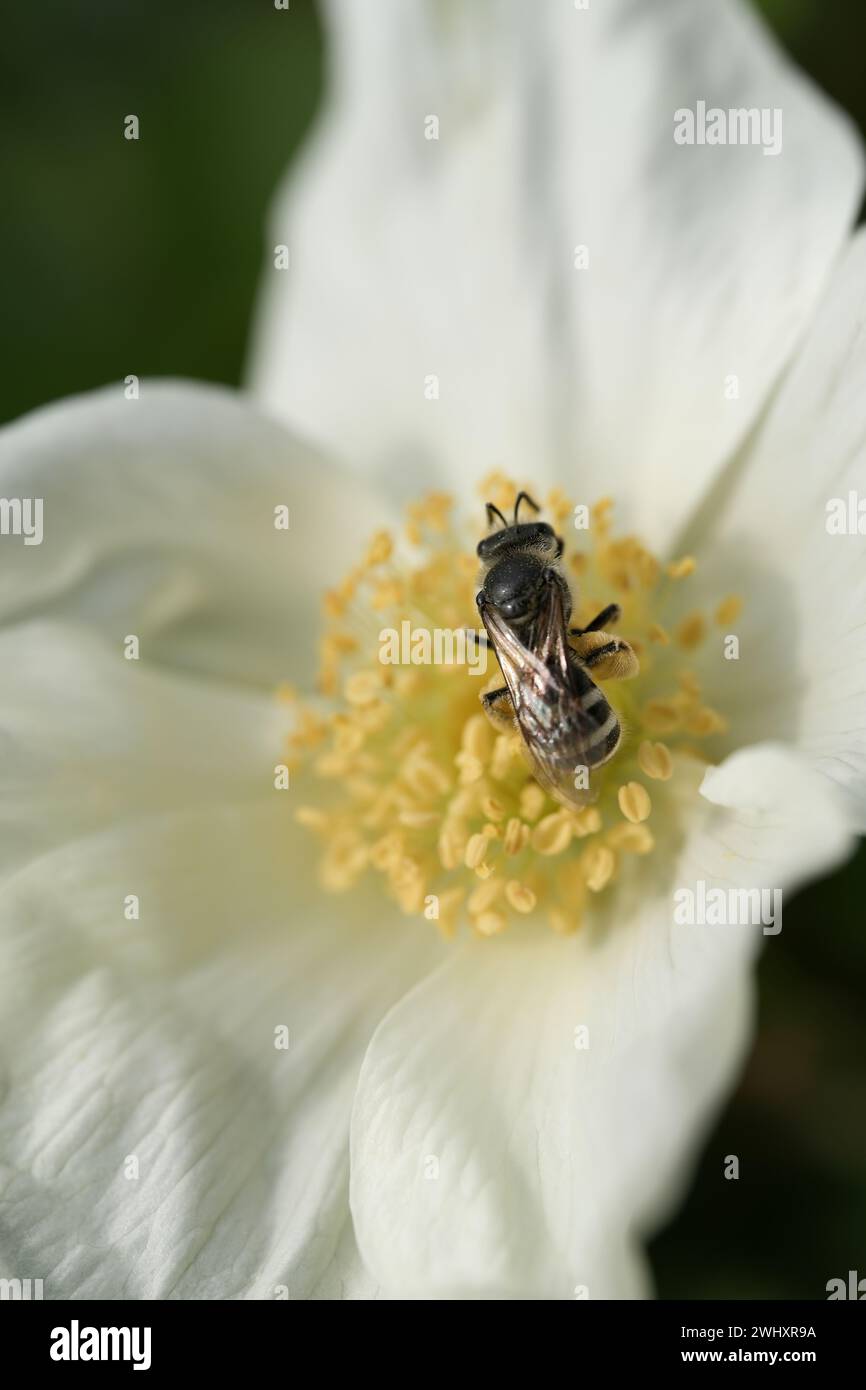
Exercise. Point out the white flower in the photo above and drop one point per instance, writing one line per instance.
(431, 1129)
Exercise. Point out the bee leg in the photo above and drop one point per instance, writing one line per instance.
(609, 659)
(480, 637)
(498, 708)
(608, 615)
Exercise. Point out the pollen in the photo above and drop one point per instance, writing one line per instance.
(409, 789)
(634, 802)
(655, 760)
(729, 610)
(681, 569)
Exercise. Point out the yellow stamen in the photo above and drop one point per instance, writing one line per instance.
(532, 802)
(407, 782)
(729, 610)
(363, 687)
(634, 802)
(634, 839)
(521, 898)
(655, 760)
(517, 834)
(690, 632)
(491, 923)
(484, 896)
(681, 569)
(599, 866)
(475, 851)
(553, 834)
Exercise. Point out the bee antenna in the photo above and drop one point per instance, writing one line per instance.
(524, 497)
(492, 512)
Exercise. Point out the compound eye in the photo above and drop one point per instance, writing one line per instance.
(492, 545)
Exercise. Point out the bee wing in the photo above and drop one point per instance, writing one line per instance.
(544, 696)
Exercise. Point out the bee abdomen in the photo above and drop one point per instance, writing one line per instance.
(602, 742)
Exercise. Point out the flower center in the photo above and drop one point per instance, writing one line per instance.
(408, 779)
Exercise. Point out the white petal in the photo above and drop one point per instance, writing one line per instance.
(153, 1038)
(801, 672)
(88, 739)
(158, 519)
(454, 258)
(553, 1161)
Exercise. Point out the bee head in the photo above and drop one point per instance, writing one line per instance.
(534, 536)
(515, 585)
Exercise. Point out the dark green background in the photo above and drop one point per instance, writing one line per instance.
(149, 265)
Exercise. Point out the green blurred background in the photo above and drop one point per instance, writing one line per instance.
(145, 259)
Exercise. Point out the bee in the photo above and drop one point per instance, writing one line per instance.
(525, 602)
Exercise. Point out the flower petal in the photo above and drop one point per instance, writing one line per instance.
(157, 1141)
(158, 520)
(801, 671)
(494, 1157)
(89, 739)
(454, 257)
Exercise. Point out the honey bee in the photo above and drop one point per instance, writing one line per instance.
(525, 602)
